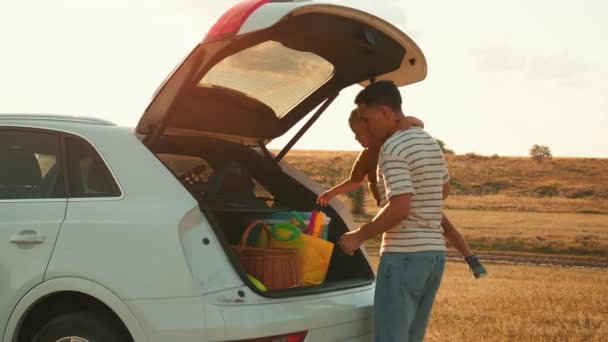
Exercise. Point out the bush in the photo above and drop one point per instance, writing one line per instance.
(457, 188)
(489, 188)
(580, 193)
(357, 200)
(540, 153)
(475, 156)
(444, 149)
(547, 191)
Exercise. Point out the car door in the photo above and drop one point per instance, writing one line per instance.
(32, 209)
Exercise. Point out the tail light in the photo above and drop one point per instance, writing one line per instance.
(295, 337)
(231, 21)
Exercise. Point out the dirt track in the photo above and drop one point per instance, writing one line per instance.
(534, 260)
(516, 259)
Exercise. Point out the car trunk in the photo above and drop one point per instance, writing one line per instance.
(257, 85)
(278, 187)
(262, 69)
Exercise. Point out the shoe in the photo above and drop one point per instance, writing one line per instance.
(476, 267)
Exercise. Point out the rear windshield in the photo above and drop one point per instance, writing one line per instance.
(271, 73)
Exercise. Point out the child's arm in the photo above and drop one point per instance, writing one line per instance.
(455, 237)
(342, 188)
(407, 122)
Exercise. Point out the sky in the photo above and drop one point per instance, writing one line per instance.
(503, 76)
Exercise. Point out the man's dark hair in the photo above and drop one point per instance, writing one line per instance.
(380, 93)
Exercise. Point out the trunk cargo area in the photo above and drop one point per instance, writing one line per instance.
(236, 185)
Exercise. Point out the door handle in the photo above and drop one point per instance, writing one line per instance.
(27, 236)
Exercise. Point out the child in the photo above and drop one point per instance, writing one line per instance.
(366, 165)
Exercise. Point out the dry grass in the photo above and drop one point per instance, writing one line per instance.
(521, 303)
(326, 167)
(520, 203)
(532, 204)
(560, 233)
(560, 177)
(562, 184)
(555, 207)
(514, 205)
(539, 233)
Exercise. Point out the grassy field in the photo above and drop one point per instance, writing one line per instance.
(583, 180)
(502, 204)
(581, 236)
(521, 303)
(557, 233)
(528, 203)
(513, 206)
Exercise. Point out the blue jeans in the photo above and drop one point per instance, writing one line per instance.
(405, 291)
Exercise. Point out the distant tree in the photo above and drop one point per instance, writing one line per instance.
(540, 152)
(444, 149)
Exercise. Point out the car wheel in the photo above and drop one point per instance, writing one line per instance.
(83, 326)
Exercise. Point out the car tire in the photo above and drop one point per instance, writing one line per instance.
(84, 326)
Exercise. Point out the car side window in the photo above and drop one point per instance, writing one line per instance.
(88, 174)
(30, 166)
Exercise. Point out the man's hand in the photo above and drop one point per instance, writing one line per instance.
(324, 198)
(350, 242)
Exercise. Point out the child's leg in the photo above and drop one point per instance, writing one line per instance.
(455, 237)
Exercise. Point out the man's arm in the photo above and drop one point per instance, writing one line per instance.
(399, 191)
(397, 210)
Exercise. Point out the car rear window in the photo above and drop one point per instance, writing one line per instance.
(271, 73)
(88, 174)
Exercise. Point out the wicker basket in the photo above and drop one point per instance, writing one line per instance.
(275, 268)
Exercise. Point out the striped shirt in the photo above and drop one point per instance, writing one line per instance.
(411, 161)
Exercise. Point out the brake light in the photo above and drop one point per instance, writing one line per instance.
(295, 337)
(231, 21)
(299, 337)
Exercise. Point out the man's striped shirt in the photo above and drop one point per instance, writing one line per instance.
(411, 161)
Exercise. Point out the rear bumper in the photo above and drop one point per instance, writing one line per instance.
(342, 316)
(230, 315)
(359, 331)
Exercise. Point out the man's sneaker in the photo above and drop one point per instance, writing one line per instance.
(476, 267)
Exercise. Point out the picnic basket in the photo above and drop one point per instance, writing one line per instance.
(276, 268)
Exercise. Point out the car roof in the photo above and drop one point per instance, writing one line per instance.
(55, 118)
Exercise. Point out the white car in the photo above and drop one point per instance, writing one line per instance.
(110, 235)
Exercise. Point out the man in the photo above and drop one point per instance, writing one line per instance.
(412, 183)
(366, 166)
